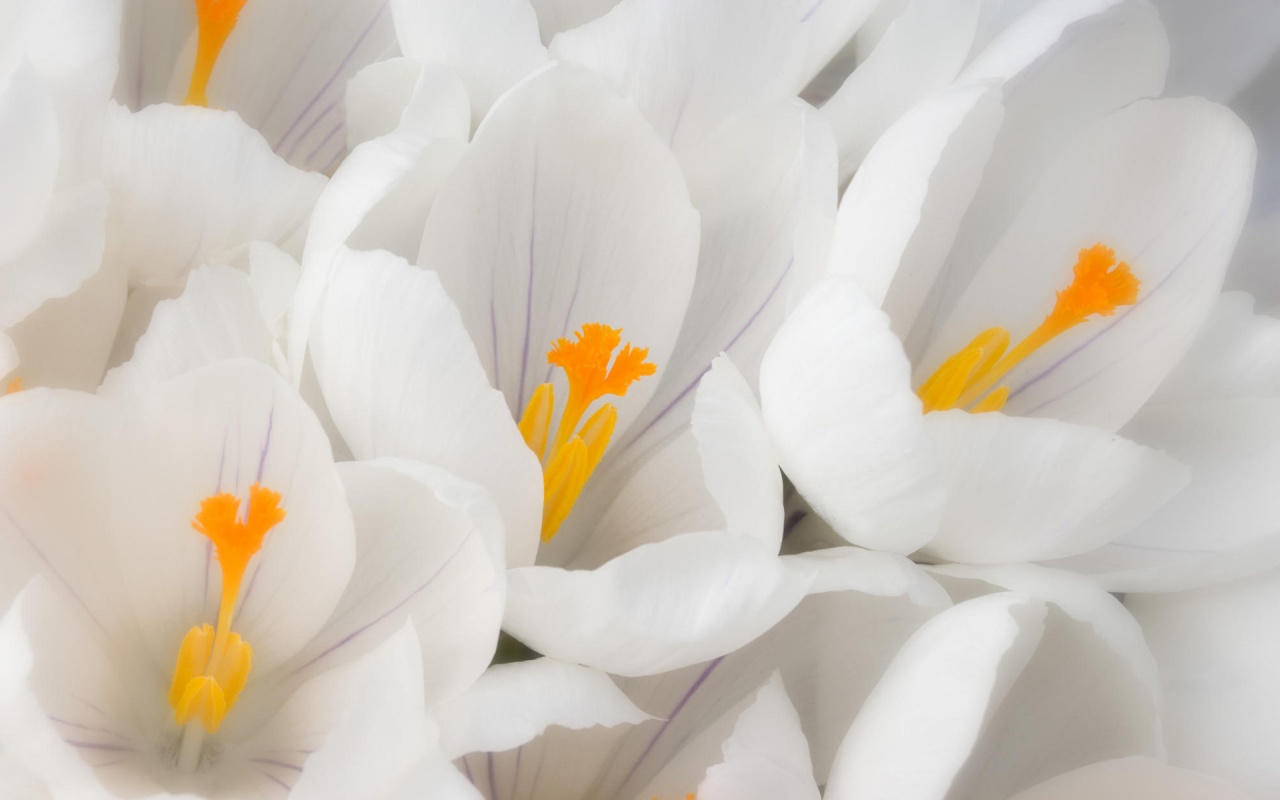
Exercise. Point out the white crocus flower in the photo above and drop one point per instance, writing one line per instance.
(1215, 648)
(207, 580)
(987, 225)
(526, 730)
(1022, 693)
(282, 66)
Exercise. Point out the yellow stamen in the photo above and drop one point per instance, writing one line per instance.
(576, 450)
(215, 19)
(213, 664)
(1099, 285)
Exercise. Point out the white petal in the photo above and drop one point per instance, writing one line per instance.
(691, 64)
(848, 428)
(65, 253)
(737, 457)
(1224, 523)
(401, 378)
(632, 616)
(1221, 700)
(366, 178)
(921, 52)
(1134, 778)
(512, 704)
(1024, 489)
(490, 44)
(1061, 66)
(919, 726)
(899, 216)
(1089, 693)
(383, 747)
(37, 683)
(273, 276)
(1166, 184)
(187, 184)
(52, 492)
(28, 160)
(763, 235)
(217, 317)
(767, 757)
(220, 429)
(382, 94)
(422, 554)
(565, 210)
(283, 69)
(828, 25)
(1235, 354)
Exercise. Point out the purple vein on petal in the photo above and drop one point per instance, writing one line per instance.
(528, 298)
(813, 9)
(404, 601)
(329, 83)
(693, 688)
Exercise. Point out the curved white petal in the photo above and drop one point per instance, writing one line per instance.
(1024, 489)
(188, 184)
(555, 16)
(1224, 524)
(382, 747)
(220, 429)
(381, 95)
(921, 52)
(565, 210)
(848, 428)
(489, 44)
(217, 317)
(401, 378)
(422, 554)
(1166, 184)
(1217, 53)
(1235, 354)
(283, 69)
(767, 757)
(1135, 778)
(632, 615)
(65, 253)
(899, 216)
(691, 64)
(1221, 701)
(920, 724)
(738, 462)
(511, 704)
(764, 231)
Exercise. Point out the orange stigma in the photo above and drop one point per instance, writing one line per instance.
(576, 450)
(15, 385)
(213, 664)
(215, 20)
(966, 380)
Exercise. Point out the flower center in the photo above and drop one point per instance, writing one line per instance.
(570, 459)
(965, 380)
(215, 19)
(213, 664)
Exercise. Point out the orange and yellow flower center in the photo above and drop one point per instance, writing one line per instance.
(569, 459)
(214, 663)
(969, 378)
(215, 19)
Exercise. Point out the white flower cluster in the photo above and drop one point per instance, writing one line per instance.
(639, 399)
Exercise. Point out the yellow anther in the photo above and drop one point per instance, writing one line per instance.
(215, 20)
(213, 664)
(1099, 285)
(573, 455)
